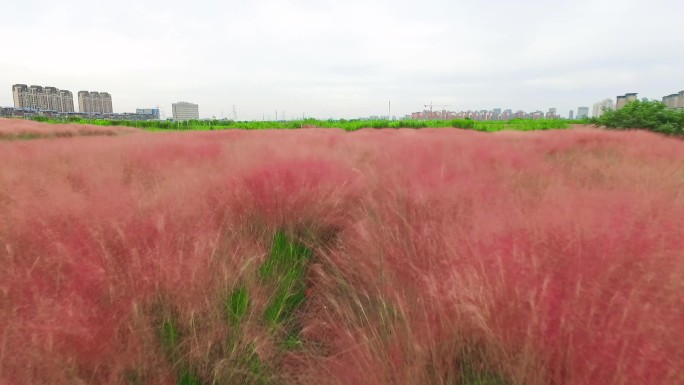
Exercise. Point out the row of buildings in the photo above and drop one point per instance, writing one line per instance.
(494, 114)
(37, 100)
(42, 98)
(12, 112)
(607, 104)
(671, 101)
(62, 101)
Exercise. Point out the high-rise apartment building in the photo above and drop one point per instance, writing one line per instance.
(94, 102)
(674, 100)
(19, 92)
(571, 115)
(622, 100)
(67, 99)
(600, 107)
(582, 112)
(42, 98)
(185, 111)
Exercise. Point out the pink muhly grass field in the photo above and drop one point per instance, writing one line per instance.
(439, 256)
(27, 129)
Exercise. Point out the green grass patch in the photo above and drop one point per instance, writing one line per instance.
(255, 372)
(236, 305)
(285, 269)
(475, 370)
(169, 336)
(189, 379)
(283, 275)
(471, 376)
(293, 341)
(246, 368)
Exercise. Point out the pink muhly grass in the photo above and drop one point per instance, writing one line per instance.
(439, 256)
(26, 129)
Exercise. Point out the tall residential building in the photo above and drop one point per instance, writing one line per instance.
(631, 97)
(571, 115)
(600, 107)
(42, 98)
(582, 112)
(674, 100)
(95, 102)
(19, 93)
(185, 111)
(84, 102)
(67, 99)
(622, 100)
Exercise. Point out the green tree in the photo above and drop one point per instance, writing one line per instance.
(647, 114)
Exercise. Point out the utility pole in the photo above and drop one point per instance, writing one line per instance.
(389, 111)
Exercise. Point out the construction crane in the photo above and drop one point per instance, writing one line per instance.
(435, 105)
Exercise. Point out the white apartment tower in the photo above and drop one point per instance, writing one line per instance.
(42, 98)
(600, 107)
(582, 112)
(185, 111)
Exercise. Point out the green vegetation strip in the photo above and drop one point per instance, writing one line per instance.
(348, 125)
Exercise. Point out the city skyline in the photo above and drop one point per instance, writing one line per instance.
(56, 100)
(302, 57)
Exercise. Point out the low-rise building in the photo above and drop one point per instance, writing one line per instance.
(152, 113)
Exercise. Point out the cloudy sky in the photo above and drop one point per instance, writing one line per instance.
(344, 58)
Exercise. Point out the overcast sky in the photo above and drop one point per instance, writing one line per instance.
(344, 59)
